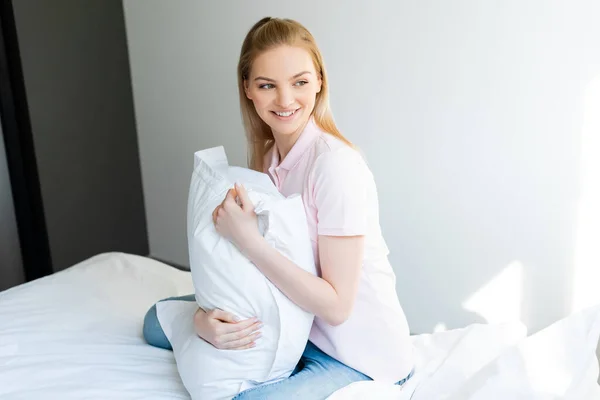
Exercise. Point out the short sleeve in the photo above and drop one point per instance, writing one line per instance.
(340, 185)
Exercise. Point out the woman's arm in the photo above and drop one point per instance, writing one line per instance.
(331, 297)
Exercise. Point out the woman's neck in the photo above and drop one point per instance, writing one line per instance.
(285, 142)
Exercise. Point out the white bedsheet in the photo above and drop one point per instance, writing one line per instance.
(78, 334)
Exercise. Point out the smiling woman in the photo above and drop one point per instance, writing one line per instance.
(284, 98)
(292, 137)
(282, 81)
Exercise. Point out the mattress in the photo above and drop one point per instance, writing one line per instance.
(77, 334)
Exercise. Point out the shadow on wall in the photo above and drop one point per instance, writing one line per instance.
(504, 298)
(499, 300)
(535, 288)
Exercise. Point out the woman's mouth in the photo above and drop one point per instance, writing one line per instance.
(285, 115)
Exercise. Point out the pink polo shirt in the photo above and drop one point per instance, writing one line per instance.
(340, 199)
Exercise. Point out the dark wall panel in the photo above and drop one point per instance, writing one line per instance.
(77, 80)
(11, 269)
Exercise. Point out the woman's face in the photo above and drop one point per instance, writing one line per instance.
(283, 86)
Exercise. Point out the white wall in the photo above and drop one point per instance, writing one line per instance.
(470, 114)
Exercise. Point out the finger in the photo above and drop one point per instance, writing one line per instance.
(219, 211)
(248, 340)
(230, 203)
(231, 195)
(232, 336)
(215, 213)
(243, 196)
(248, 346)
(229, 332)
(224, 316)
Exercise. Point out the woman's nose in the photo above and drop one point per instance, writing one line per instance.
(285, 98)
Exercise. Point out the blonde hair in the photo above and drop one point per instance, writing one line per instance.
(265, 35)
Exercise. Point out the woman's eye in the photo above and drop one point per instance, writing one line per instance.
(300, 83)
(266, 86)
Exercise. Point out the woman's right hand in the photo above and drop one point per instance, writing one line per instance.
(223, 331)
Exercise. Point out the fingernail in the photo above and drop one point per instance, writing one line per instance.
(236, 319)
(259, 334)
(253, 345)
(260, 325)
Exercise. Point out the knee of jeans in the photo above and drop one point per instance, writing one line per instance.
(150, 321)
(153, 332)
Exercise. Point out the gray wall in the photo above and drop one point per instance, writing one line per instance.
(11, 270)
(470, 113)
(76, 68)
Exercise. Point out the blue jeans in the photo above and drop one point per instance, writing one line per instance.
(316, 376)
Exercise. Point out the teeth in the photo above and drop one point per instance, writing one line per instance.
(285, 114)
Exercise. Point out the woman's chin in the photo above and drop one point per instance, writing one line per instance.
(288, 127)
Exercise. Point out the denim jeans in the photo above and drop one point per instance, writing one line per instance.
(316, 376)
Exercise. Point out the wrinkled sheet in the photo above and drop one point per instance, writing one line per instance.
(486, 362)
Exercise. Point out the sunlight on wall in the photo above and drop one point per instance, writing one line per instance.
(500, 299)
(586, 283)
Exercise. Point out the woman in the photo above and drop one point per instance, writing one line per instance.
(360, 331)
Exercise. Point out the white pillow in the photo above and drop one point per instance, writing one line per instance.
(223, 278)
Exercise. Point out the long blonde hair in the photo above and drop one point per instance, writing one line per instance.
(264, 35)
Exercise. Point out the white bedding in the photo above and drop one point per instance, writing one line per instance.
(78, 334)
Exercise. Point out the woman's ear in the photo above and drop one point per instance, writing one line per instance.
(319, 84)
(246, 89)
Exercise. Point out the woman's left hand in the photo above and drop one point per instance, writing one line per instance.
(237, 223)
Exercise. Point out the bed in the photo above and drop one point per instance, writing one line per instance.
(77, 334)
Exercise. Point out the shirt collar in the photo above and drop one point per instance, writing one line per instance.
(306, 138)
